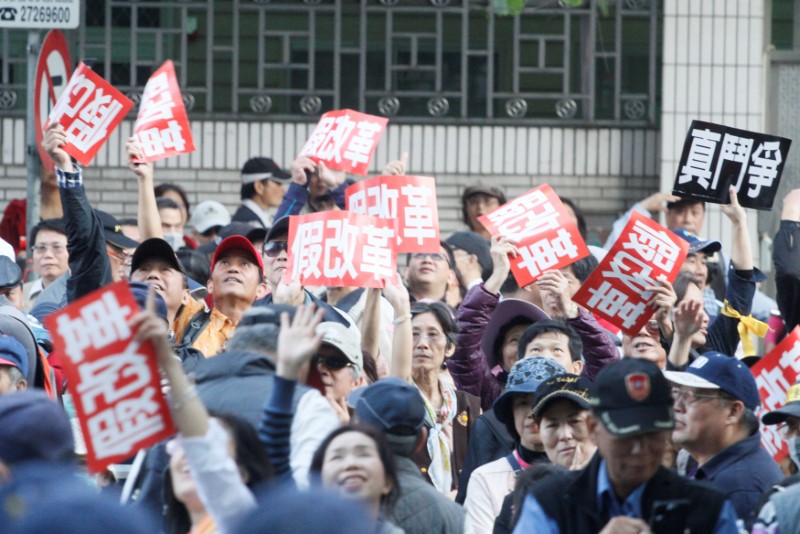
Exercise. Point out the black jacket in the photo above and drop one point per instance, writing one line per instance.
(571, 500)
(246, 215)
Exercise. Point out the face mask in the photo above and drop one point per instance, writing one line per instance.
(175, 240)
(794, 449)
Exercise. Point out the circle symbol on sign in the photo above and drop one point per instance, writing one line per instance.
(52, 75)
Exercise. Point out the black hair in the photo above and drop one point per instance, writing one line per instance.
(130, 221)
(384, 453)
(370, 367)
(584, 267)
(166, 203)
(578, 215)
(159, 191)
(247, 191)
(196, 265)
(444, 316)
(681, 284)
(510, 286)
(556, 326)
(685, 202)
(250, 455)
(501, 335)
(55, 225)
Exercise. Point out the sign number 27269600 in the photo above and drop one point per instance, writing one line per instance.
(44, 14)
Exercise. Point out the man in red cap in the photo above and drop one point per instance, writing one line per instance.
(237, 280)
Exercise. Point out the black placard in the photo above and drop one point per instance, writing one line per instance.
(715, 157)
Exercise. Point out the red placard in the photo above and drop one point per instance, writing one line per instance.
(775, 373)
(409, 201)
(345, 140)
(114, 381)
(546, 236)
(89, 109)
(616, 289)
(341, 249)
(162, 127)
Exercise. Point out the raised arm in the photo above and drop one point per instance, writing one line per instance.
(689, 317)
(371, 322)
(402, 342)
(741, 253)
(147, 214)
(297, 343)
(786, 256)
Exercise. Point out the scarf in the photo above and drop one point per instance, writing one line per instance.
(440, 470)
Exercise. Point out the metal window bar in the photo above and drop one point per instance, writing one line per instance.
(444, 61)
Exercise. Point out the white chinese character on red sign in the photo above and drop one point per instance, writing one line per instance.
(654, 246)
(91, 126)
(378, 201)
(307, 251)
(118, 428)
(775, 384)
(156, 141)
(545, 253)
(418, 216)
(360, 146)
(764, 168)
(318, 136)
(790, 359)
(376, 254)
(332, 146)
(113, 378)
(520, 219)
(157, 101)
(344, 242)
(701, 155)
(614, 303)
(101, 323)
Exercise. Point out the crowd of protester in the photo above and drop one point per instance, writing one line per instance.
(452, 400)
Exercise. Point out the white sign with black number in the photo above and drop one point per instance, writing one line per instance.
(40, 14)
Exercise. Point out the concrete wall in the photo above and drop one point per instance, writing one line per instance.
(603, 170)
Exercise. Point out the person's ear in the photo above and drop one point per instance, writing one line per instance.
(449, 349)
(592, 425)
(261, 290)
(22, 385)
(577, 367)
(186, 297)
(259, 187)
(734, 413)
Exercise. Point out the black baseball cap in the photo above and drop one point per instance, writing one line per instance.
(113, 231)
(632, 397)
(155, 247)
(279, 228)
(567, 386)
(791, 408)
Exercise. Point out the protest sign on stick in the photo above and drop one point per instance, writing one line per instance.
(162, 127)
(775, 374)
(341, 249)
(114, 380)
(617, 289)
(716, 157)
(409, 201)
(89, 109)
(345, 140)
(546, 236)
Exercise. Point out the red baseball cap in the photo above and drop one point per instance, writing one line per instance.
(241, 243)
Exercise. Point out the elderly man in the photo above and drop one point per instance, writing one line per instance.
(263, 186)
(13, 365)
(624, 486)
(479, 200)
(715, 422)
(429, 274)
(50, 257)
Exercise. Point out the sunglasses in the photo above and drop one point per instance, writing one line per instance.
(435, 256)
(334, 362)
(274, 248)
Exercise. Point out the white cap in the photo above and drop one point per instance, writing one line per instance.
(209, 214)
(7, 250)
(346, 340)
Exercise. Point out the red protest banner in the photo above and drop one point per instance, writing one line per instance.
(341, 249)
(162, 126)
(546, 236)
(89, 109)
(617, 289)
(409, 201)
(345, 140)
(114, 381)
(775, 373)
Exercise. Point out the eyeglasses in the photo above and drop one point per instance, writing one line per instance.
(435, 256)
(274, 248)
(689, 397)
(126, 259)
(56, 248)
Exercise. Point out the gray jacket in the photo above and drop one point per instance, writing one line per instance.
(421, 509)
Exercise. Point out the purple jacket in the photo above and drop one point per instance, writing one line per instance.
(469, 366)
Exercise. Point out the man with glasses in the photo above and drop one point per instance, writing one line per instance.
(624, 485)
(50, 258)
(781, 513)
(715, 401)
(430, 274)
